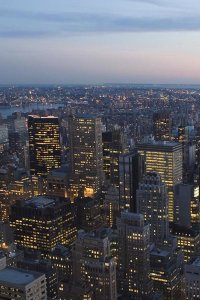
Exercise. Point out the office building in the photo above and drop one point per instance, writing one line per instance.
(44, 267)
(166, 266)
(114, 144)
(58, 182)
(192, 275)
(40, 223)
(188, 240)
(152, 202)
(131, 169)
(166, 159)
(87, 213)
(93, 266)
(85, 134)
(22, 284)
(186, 205)
(162, 126)
(111, 205)
(44, 144)
(134, 256)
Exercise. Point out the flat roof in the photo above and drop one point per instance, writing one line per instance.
(39, 202)
(159, 143)
(18, 276)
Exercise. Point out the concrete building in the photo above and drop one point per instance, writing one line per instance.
(192, 279)
(93, 266)
(134, 256)
(152, 202)
(22, 284)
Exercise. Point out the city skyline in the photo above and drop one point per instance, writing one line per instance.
(122, 41)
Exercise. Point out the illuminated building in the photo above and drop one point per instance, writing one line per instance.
(134, 255)
(40, 223)
(192, 275)
(93, 266)
(162, 126)
(188, 240)
(44, 144)
(152, 202)
(111, 205)
(22, 284)
(61, 261)
(166, 159)
(44, 267)
(166, 271)
(114, 144)
(85, 134)
(5, 204)
(131, 168)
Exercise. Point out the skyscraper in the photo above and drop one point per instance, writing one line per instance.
(134, 255)
(94, 266)
(44, 144)
(152, 202)
(85, 134)
(131, 168)
(114, 144)
(40, 223)
(162, 126)
(166, 159)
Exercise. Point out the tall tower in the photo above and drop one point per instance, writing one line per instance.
(114, 144)
(94, 266)
(44, 144)
(134, 255)
(131, 169)
(162, 124)
(166, 159)
(152, 202)
(85, 134)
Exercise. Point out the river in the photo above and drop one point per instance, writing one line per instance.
(5, 112)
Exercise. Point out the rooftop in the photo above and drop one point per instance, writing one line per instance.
(40, 202)
(159, 143)
(18, 276)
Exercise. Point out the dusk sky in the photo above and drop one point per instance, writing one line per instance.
(99, 41)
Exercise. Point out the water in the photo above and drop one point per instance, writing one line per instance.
(5, 112)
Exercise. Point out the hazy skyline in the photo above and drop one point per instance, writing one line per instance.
(88, 41)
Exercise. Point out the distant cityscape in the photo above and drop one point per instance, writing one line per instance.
(99, 192)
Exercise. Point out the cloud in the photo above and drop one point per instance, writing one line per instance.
(80, 23)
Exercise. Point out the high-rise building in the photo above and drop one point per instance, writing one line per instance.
(93, 265)
(162, 126)
(22, 284)
(40, 223)
(131, 169)
(44, 267)
(192, 275)
(44, 144)
(85, 134)
(134, 255)
(111, 205)
(152, 202)
(114, 144)
(166, 159)
(166, 272)
(188, 240)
